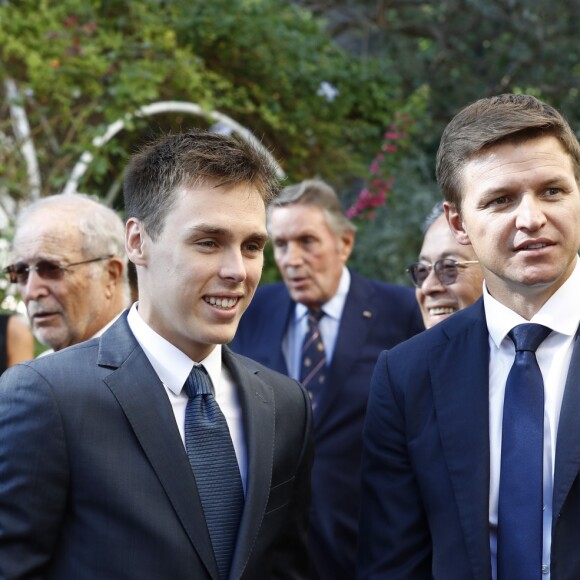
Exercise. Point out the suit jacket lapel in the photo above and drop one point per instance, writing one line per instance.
(278, 326)
(357, 318)
(142, 397)
(257, 401)
(461, 398)
(567, 463)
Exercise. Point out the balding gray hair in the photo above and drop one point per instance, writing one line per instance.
(317, 193)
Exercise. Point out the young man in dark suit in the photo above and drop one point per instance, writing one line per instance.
(154, 451)
(471, 464)
(358, 318)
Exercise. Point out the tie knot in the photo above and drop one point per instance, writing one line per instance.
(198, 382)
(528, 336)
(314, 316)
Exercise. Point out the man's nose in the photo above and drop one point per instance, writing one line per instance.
(530, 213)
(432, 283)
(293, 255)
(34, 288)
(234, 267)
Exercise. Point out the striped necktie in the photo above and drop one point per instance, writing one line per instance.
(313, 365)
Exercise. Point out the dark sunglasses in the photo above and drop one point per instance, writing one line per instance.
(47, 270)
(446, 271)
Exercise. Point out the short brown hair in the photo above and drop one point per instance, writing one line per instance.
(191, 159)
(490, 121)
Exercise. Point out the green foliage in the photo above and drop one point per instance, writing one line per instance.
(467, 49)
(399, 192)
(387, 244)
(398, 144)
(460, 50)
(82, 64)
(319, 86)
(273, 58)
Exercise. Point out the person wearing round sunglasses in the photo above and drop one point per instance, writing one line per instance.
(447, 277)
(69, 268)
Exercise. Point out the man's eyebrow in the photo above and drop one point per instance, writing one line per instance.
(508, 188)
(39, 258)
(259, 237)
(209, 229)
(224, 232)
(498, 190)
(556, 180)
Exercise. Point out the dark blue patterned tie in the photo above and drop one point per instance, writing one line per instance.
(213, 460)
(519, 534)
(313, 361)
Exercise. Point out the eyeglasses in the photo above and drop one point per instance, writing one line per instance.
(446, 271)
(47, 270)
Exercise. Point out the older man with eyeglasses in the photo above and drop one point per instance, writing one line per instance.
(70, 268)
(447, 277)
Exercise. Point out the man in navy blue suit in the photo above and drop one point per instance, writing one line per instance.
(441, 496)
(313, 240)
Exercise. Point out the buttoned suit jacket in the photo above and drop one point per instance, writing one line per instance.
(95, 482)
(426, 460)
(376, 316)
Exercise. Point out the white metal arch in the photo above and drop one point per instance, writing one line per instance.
(154, 109)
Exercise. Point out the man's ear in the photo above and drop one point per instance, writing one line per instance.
(114, 273)
(455, 222)
(136, 242)
(346, 245)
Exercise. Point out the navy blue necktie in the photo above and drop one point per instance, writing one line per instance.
(313, 361)
(215, 467)
(520, 517)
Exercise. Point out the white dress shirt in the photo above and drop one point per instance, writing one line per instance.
(328, 325)
(561, 313)
(173, 367)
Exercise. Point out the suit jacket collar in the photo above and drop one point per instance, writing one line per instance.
(257, 401)
(461, 399)
(461, 393)
(357, 320)
(567, 463)
(142, 397)
(278, 325)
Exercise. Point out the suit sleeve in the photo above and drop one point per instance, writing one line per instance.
(394, 540)
(291, 558)
(33, 474)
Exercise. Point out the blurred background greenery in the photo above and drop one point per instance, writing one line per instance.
(355, 92)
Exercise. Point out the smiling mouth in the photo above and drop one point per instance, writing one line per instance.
(221, 303)
(534, 247)
(438, 311)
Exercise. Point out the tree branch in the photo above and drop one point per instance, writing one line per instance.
(21, 129)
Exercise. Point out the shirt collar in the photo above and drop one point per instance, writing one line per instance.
(334, 307)
(561, 312)
(171, 364)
